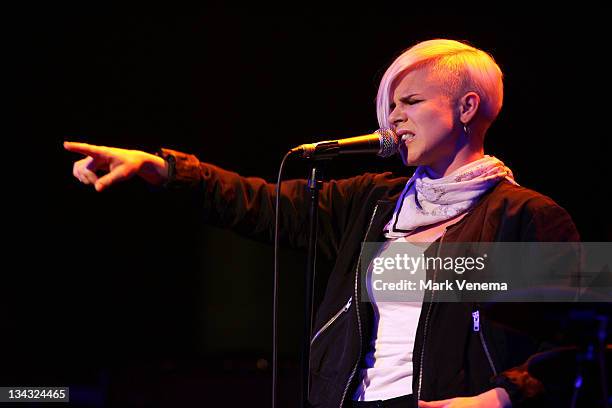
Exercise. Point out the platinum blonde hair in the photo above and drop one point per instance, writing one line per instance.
(461, 67)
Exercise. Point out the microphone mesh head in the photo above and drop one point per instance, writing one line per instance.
(389, 142)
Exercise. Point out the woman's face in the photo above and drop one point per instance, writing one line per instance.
(426, 115)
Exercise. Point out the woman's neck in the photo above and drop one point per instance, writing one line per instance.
(444, 169)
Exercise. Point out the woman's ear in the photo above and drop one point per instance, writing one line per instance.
(468, 106)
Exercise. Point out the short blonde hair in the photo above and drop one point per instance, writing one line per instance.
(462, 67)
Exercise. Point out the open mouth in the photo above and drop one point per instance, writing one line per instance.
(408, 137)
(405, 135)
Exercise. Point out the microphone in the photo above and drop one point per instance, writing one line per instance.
(384, 142)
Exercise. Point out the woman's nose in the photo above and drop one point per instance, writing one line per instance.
(396, 117)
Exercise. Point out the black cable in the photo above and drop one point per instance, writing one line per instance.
(275, 292)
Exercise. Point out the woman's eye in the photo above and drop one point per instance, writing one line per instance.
(405, 102)
(410, 100)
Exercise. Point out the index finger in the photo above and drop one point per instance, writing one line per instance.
(84, 148)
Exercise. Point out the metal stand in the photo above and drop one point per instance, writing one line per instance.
(314, 185)
(593, 352)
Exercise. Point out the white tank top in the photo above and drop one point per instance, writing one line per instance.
(388, 360)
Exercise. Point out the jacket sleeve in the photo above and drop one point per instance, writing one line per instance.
(548, 222)
(544, 221)
(247, 204)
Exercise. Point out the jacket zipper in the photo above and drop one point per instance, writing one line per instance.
(427, 321)
(344, 309)
(356, 296)
(476, 320)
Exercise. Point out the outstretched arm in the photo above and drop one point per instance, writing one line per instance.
(229, 200)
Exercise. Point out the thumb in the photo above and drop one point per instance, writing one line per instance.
(117, 174)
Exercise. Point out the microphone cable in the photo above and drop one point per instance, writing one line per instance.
(275, 291)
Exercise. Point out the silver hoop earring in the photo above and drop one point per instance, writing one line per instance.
(465, 129)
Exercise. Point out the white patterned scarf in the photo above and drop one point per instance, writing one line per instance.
(427, 200)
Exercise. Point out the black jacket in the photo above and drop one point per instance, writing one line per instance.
(450, 359)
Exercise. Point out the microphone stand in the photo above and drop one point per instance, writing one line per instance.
(314, 185)
(383, 142)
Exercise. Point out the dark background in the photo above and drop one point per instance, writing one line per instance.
(127, 296)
